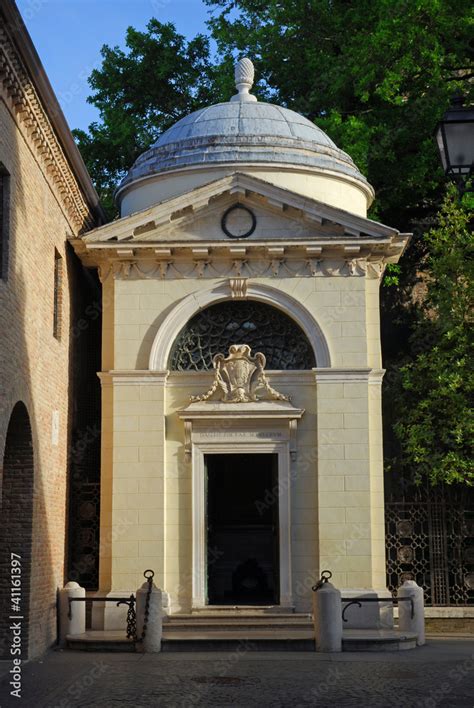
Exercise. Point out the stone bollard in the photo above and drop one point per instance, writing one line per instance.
(327, 612)
(72, 620)
(154, 623)
(406, 622)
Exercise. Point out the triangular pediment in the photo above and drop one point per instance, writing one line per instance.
(185, 236)
(197, 215)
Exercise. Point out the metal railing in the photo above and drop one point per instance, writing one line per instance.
(131, 602)
(326, 575)
(131, 612)
(359, 600)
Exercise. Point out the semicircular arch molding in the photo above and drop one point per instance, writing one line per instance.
(193, 303)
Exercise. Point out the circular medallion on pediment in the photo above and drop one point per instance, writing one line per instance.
(238, 221)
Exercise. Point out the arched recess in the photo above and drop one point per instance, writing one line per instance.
(16, 525)
(262, 327)
(193, 303)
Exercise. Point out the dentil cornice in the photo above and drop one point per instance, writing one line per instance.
(182, 237)
(22, 99)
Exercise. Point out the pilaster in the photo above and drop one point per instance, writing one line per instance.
(132, 483)
(350, 476)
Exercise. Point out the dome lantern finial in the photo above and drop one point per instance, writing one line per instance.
(244, 75)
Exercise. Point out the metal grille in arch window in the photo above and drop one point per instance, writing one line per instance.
(264, 328)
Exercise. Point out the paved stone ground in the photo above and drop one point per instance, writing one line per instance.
(438, 674)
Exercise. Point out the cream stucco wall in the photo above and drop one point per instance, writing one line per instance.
(132, 490)
(346, 308)
(329, 188)
(351, 543)
(336, 488)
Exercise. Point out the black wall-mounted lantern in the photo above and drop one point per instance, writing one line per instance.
(455, 137)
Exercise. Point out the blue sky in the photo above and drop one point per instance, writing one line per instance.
(68, 35)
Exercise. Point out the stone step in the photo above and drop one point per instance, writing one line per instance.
(219, 610)
(182, 623)
(241, 627)
(377, 640)
(239, 639)
(284, 640)
(237, 615)
(100, 640)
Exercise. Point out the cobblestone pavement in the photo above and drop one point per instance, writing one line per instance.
(439, 674)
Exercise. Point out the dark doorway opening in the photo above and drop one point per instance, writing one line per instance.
(242, 529)
(16, 529)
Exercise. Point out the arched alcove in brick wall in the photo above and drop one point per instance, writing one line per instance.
(16, 524)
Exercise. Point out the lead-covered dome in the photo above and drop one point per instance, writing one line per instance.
(242, 133)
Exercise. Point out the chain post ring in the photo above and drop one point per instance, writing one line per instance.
(326, 575)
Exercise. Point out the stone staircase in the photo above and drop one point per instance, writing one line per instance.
(244, 630)
(234, 631)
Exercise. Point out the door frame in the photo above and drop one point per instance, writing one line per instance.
(199, 513)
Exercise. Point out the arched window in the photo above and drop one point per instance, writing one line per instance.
(263, 327)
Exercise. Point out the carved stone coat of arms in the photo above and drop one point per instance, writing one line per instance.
(239, 376)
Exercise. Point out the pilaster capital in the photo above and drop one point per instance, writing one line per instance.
(362, 375)
(117, 377)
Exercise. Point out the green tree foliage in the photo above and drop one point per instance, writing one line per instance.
(376, 76)
(432, 392)
(139, 93)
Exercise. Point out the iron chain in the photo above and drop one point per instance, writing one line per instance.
(149, 575)
(131, 618)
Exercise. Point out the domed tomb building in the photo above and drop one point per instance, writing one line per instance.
(241, 372)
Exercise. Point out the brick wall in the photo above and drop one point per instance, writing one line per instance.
(34, 365)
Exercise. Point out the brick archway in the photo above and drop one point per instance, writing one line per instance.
(16, 525)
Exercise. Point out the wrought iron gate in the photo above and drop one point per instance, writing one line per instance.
(430, 538)
(83, 561)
